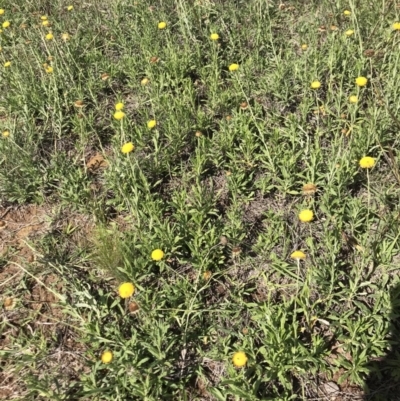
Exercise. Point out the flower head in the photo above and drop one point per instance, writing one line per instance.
(233, 67)
(361, 81)
(309, 189)
(119, 115)
(70, 8)
(5, 134)
(396, 26)
(127, 147)
(207, 275)
(48, 69)
(65, 36)
(126, 290)
(353, 99)
(367, 162)
(144, 81)
(106, 357)
(347, 13)
(43, 17)
(306, 216)
(2, 11)
(157, 254)
(151, 124)
(45, 22)
(9, 303)
(7, 64)
(214, 36)
(6, 24)
(298, 255)
(315, 84)
(119, 106)
(162, 25)
(304, 46)
(349, 32)
(49, 36)
(239, 359)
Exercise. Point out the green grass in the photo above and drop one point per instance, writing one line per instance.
(217, 185)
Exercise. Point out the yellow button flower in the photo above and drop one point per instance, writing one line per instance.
(162, 25)
(207, 275)
(367, 162)
(106, 357)
(65, 36)
(315, 85)
(70, 8)
(214, 36)
(127, 147)
(144, 81)
(239, 359)
(126, 290)
(119, 106)
(306, 216)
(304, 46)
(45, 23)
(43, 17)
(49, 69)
(298, 255)
(2, 11)
(349, 32)
(361, 81)
(353, 99)
(157, 254)
(5, 134)
(233, 67)
(49, 36)
(347, 13)
(151, 124)
(7, 64)
(396, 26)
(119, 115)
(6, 24)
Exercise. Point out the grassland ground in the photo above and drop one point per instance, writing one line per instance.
(199, 200)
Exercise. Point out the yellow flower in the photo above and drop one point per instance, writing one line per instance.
(353, 99)
(157, 254)
(315, 84)
(144, 81)
(361, 81)
(5, 134)
(43, 17)
(106, 357)
(162, 25)
(9, 303)
(298, 255)
(6, 24)
(306, 216)
(214, 36)
(119, 106)
(151, 124)
(349, 32)
(7, 64)
(367, 162)
(65, 37)
(304, 46)
(49, 36)
(70, 8)
(396, 26)
(45, 23)
(207, 275)
(2, 11)
(119, 115)
(233, 67)
(126, 290)
(239, 359)
(127, 147)
(347, 13)
(49, 69)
